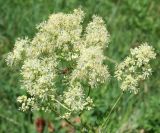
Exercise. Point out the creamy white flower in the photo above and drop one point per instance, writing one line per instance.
(90, 67)
(18, 52)
(22, 98)
(143, 54)
(135, 67)
(74, 98)
(96, 33)
(59, 58)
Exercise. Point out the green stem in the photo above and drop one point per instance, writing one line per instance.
(62, 104)
(111, 60)
(58, 114)
(84, 123)
(109, 114)
(89, 90)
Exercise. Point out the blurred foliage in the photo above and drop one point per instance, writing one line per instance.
(129, 22)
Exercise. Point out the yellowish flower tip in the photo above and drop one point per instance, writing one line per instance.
(17, 54)
(61, 56)
(135, 67)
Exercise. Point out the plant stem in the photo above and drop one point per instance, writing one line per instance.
(113, 107)
(62, 105)
(58, 114)
(89, 90)
(111, 60)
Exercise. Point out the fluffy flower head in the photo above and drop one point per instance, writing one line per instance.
(60, 62)
(135, 67)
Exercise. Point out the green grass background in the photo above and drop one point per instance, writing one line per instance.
(129, 22)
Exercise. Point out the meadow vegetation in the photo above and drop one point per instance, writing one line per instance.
(129, 23)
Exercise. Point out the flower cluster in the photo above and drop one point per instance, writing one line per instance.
(90, 68)
(74, 98)
(27, 103)
(60, 62)
(135, 67)
(18, 53)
